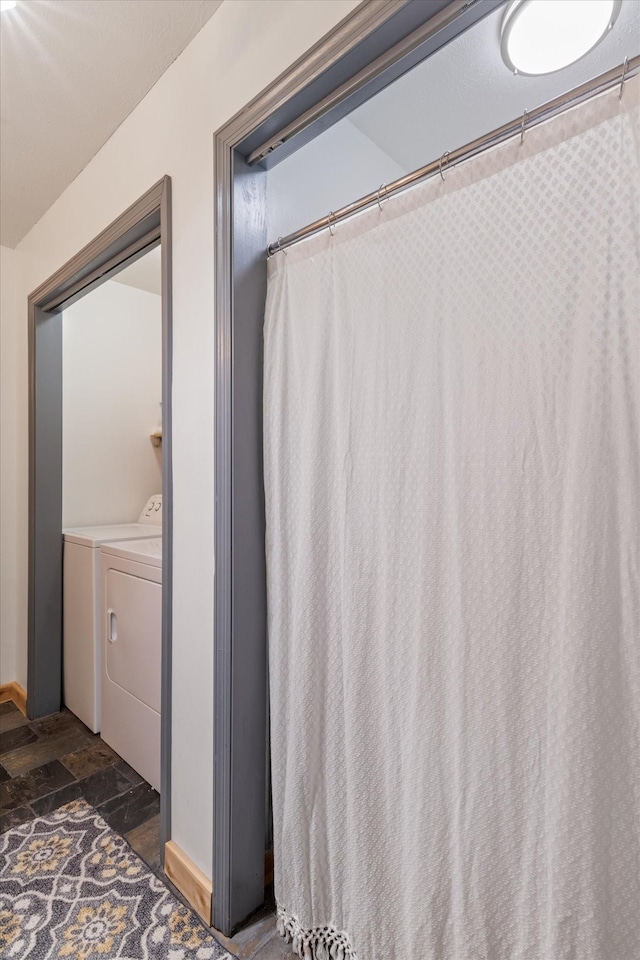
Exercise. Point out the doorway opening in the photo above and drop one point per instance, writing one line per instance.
(100, 470)
(327, 135)
(365, 53)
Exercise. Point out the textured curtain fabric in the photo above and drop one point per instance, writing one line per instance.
(452, 473)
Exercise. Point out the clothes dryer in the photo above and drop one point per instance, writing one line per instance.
(81, 606)
(131, 581)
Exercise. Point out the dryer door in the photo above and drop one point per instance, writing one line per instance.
(134, 635)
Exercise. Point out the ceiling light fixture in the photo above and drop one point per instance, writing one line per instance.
(542, 36)
(7, 5)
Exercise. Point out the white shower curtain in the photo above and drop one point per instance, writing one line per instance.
(452, 472)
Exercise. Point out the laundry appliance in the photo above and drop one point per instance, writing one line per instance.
(81, 606)
(131, 582)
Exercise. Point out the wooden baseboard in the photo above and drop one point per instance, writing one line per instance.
(194, 886)
(14, 693)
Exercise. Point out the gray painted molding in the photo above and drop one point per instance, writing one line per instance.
(231, 878)
(345, 97)
(238, 664)
(167, 516)
(363, 21)
(143, 224)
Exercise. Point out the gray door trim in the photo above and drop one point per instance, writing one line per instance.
(239, 741)
(133, 252)
(375, 75)
(143, 224)
(345, 36)
(239, 713)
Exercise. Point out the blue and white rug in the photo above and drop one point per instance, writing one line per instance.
(72, 888)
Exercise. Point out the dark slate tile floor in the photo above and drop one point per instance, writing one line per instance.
(258, 939)
(46, 763)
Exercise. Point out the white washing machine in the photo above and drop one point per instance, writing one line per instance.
(131, 577)
(81, 606)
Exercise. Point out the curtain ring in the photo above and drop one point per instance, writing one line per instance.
(524, 120)
(379, 192)
(280, 247)
(332, 216)
(625, 67)
(445, 157)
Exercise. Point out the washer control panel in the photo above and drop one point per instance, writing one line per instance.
(152, 512)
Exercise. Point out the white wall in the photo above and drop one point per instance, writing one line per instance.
(111, 389)
(326, 174)
(245, 45)
(8, 572)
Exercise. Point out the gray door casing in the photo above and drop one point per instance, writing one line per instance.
(141, 227)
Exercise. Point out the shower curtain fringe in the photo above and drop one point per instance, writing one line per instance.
(314, 943)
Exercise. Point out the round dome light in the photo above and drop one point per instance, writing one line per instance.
(541, 36)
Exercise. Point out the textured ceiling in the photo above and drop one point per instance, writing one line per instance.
(465, 90)
(70, 72)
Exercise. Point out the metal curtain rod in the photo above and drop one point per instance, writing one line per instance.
(530, 118)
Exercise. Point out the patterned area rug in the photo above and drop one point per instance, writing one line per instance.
(71, 887)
